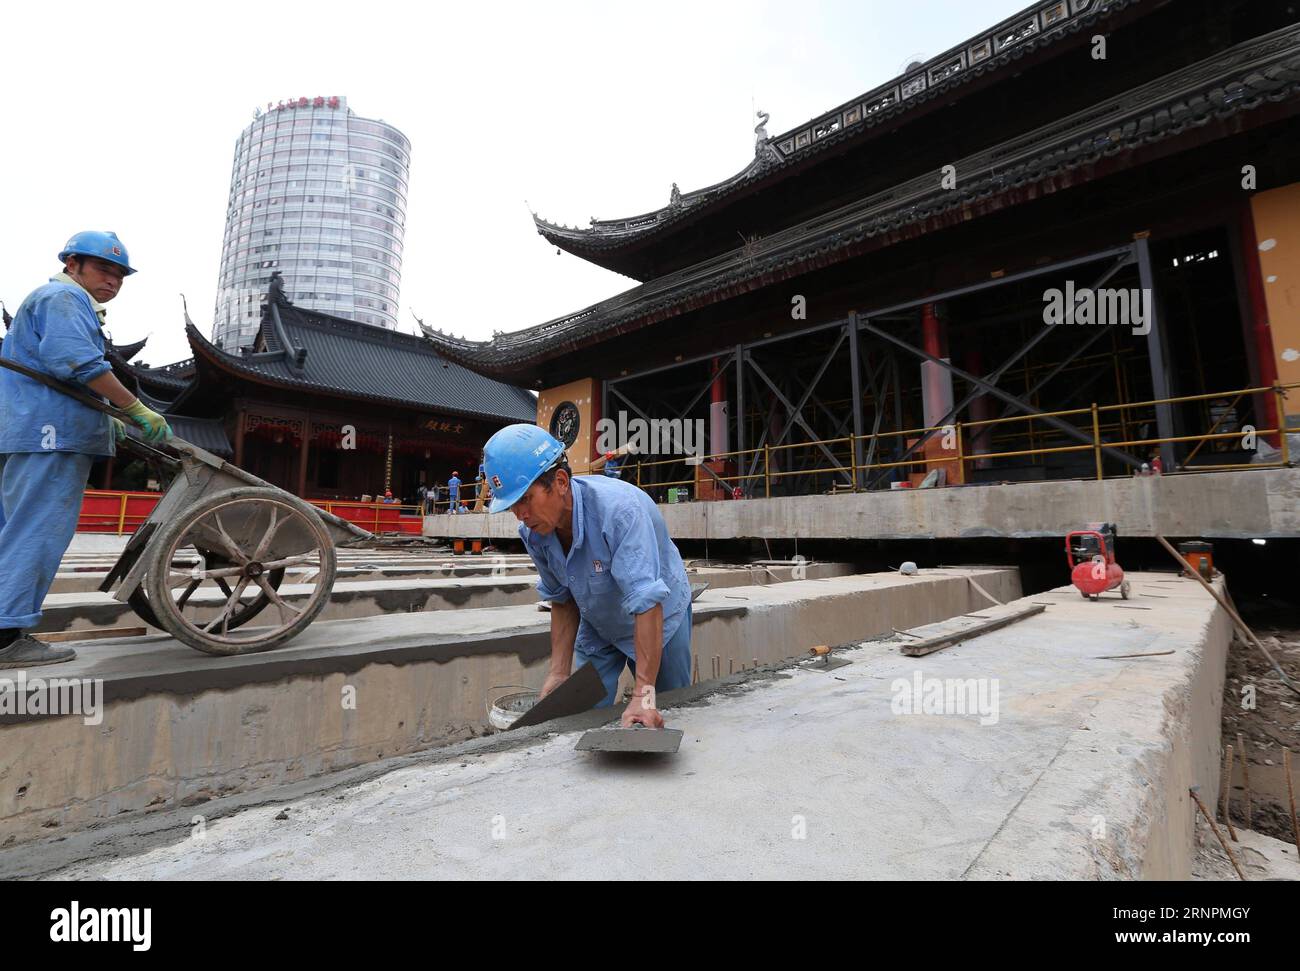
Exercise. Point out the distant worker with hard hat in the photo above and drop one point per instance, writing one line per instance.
(618, 590)
(453, 491)
(48, 441)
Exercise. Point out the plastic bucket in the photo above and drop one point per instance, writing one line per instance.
(505, 710)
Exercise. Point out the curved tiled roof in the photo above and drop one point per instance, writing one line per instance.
(1033, 28)
(362, 361)
(127, 351)
(1265, 69)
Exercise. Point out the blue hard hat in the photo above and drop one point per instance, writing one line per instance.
(514, 458)
(94, 243)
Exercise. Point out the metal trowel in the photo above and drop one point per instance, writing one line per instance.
(638, 738)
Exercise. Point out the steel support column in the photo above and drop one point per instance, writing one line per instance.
(855, 380)
(739, 358)
(1158, 349)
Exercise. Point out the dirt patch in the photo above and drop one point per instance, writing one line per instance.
(1260, 857)
(1274, 722)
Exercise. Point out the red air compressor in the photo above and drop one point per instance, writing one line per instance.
(1091, 555)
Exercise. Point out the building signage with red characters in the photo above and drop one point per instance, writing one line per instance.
(319, 101)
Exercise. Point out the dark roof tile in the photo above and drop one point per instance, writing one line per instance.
(363, 361)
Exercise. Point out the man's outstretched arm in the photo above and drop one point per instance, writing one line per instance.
(564, 634)
(648, 637)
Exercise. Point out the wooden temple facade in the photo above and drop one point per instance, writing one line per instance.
(884, 268)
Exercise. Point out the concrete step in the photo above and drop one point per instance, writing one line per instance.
(1247, 504)
(354, 597)
(175, 729)
(86, 571)
(79, 582)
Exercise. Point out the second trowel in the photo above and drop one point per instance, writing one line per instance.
(638, 738)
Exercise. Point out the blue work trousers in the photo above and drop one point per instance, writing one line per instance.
(674, 665)
(40, 501)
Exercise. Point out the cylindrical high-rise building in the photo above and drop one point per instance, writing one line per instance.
(319, 194)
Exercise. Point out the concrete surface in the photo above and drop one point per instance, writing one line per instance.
(87, 579)
(1083, 774)
(97, 543)
(88, 610)
(348, 599)
(1263, 503)
(182, 728)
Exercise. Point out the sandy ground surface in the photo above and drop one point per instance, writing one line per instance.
(1260, 857)
(1273, 724)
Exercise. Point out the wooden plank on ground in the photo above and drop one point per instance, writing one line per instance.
(964, 632)
(57, 636)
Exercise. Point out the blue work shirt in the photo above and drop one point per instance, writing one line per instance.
(55, 331)
(622, 562)
(453, 486)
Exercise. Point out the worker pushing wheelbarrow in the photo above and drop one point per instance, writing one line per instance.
(216, 548)
(220, 542)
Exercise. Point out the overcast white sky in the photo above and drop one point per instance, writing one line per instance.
(124, 117)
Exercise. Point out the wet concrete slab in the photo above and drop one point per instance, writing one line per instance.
(181, 728)
(1079, 771)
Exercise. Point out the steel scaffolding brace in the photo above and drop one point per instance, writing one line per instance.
(985, 385)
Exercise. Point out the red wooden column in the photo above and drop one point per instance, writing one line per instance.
(239, 438)
(936, 388)
(302, 457)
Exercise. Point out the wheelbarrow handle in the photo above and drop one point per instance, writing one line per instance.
(90, 401)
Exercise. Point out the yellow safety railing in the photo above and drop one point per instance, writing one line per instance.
(468, 500)
(1093, 426)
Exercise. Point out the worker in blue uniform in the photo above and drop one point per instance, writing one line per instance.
(618, 590)
(48, 440)
(453, 491)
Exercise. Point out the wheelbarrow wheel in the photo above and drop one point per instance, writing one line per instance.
(243, 613)
(255, 533)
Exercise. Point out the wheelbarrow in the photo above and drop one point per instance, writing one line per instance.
(228, 537)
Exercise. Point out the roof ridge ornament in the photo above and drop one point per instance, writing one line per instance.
(276, 292)
(675, 196)
(185, 309)
(760, 131)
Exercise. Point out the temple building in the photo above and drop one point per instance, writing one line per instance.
(328, 408)
(1063, 248)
